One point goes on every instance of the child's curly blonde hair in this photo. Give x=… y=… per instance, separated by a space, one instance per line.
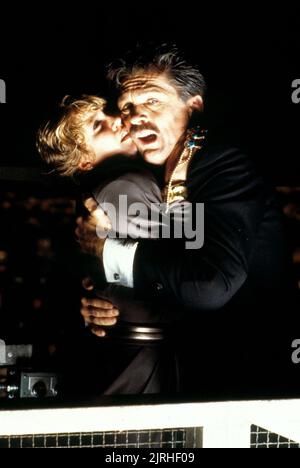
x=61 y=142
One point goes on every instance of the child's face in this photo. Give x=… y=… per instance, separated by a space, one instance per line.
x=106 y=137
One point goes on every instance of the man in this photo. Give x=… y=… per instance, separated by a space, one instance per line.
x=229 y=292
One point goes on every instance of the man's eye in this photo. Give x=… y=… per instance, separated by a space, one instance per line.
x=125 y=110
x=153 y=102
x=97 y=125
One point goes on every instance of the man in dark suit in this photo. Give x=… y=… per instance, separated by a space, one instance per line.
x=232 y=292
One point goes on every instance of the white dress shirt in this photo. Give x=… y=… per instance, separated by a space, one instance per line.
x=118 y=261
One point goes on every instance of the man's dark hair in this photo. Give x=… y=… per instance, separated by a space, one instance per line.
x=163 y=59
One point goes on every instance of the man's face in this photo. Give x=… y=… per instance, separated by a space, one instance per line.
x=106 y=137
x=154 y=114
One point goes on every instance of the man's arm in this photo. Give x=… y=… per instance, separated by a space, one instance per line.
x=207 y=278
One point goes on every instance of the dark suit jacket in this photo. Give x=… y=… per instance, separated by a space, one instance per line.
x=234 y=294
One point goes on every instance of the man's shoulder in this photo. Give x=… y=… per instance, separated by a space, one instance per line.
x=218 y=157
x=215 y=156
x=224 y=169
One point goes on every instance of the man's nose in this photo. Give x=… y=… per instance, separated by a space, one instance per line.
x=138 y=116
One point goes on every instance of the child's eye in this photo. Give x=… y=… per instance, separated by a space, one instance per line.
x=97 y=125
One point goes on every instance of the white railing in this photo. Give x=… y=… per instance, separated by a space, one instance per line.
x=225 y=425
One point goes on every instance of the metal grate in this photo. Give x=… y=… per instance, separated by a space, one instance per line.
x=262 y=438
x=165 y=438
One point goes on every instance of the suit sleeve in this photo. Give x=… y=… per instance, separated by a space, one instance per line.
x=207 y=278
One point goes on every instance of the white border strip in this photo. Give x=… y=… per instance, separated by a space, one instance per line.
x=225 y=424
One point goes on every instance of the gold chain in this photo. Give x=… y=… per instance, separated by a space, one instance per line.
x=180 y=162
x=185 y=158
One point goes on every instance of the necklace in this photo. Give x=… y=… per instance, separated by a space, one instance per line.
x=176 y=189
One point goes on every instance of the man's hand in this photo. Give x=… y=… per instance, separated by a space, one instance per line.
x=97 y=313
x=91 y=232
x=87 y=237
x=102 y=220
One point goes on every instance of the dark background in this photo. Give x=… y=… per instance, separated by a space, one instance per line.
x=249 y=57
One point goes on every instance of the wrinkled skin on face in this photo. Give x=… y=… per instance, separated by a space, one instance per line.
x=155 y=115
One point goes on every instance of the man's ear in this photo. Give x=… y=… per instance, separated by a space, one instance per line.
x=195 y=103
x=86 y=163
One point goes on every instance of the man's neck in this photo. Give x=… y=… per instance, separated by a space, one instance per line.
x=174 y=158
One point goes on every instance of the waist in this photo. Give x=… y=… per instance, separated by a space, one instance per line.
x=137 y=332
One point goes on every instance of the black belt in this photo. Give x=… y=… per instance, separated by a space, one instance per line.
x=136 y=332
